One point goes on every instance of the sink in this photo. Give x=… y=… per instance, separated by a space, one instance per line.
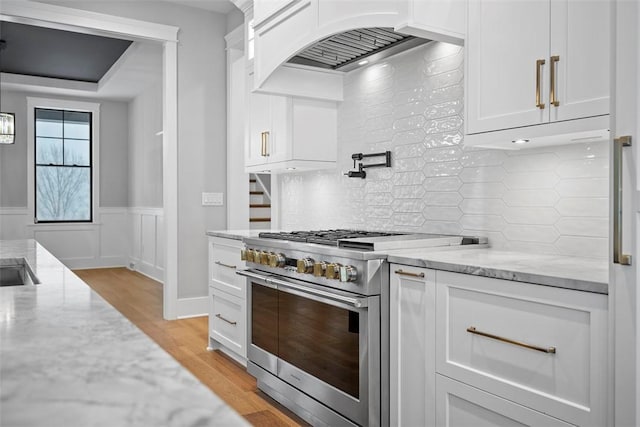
x=16 y=272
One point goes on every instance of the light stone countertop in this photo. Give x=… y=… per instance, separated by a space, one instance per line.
x=582 y=274
x=68 y=358
x=235 y=234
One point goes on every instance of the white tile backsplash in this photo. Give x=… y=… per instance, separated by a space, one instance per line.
x=547 y=200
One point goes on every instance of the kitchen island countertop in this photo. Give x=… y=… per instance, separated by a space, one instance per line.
x=581 y=274
x=67 y=357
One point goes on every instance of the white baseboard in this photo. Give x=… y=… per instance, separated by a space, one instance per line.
x=193 y=307
x=87 y=263
x=153 y=272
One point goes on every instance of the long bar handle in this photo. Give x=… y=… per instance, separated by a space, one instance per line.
x=226 y=265
x=219 y=316
x=407 y=273
x=552 y=64
x=618 y=145
x=539 y=64
x=473 y=330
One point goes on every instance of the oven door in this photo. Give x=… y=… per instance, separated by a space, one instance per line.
x=324 y=343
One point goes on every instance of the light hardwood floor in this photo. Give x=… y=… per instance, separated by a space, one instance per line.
x=140 y=299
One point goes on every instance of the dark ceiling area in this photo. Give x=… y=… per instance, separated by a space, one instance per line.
x=45 y=52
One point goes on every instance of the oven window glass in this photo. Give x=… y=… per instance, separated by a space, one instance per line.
x=320 y=339
x=264 y=318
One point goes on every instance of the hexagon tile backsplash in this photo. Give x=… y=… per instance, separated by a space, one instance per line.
x=546 y=200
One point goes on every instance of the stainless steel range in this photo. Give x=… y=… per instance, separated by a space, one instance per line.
x=319 y=320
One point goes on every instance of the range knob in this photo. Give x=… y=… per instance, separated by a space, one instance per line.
x=305 y=265
x=276 y=260
x=250 y=255
x=243 y=254
x=333 y=271
x=319 y=268
x=264 y=258
x=348 y=273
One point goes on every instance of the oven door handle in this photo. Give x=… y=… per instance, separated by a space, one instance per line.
x=264 y=280
x=311 y=293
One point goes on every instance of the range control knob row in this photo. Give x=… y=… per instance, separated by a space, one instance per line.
x=305 y=265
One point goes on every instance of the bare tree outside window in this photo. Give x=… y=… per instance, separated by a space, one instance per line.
x=63 y=166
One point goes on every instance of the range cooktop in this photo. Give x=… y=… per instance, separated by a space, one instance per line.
x=369 y=240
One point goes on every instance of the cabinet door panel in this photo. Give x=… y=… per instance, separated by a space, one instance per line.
x=259 y=122
x=278 y=141
x=504 y=41
x=412 y=356
x=580 y=38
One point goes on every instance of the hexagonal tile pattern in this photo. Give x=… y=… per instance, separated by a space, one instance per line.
x=547 y=200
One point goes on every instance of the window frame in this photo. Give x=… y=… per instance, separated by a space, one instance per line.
x=65 y=105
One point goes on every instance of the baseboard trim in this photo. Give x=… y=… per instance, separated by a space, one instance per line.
x=87 y=263
x=192 y=307
x=146 y=269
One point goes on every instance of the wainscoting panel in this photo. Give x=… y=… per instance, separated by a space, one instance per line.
x=147 y=242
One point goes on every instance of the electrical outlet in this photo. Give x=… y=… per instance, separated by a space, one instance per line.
x=212 y=199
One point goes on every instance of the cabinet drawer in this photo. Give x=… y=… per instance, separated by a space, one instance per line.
x=225 y=260
x=564 y=375
x=227 y=321
x=458 y=404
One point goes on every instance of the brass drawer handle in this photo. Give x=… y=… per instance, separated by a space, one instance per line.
x=226 y=265
x=219 y=316
x=618 y=145
x=264 y=139
x=539 y=64
x=407 y=273
x=552 y=64
x=473 y=330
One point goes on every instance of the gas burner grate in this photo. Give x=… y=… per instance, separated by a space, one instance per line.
x=325 y=237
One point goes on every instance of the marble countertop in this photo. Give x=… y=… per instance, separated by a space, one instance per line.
x=582 y=274
x=235 y=234
x=68 y=358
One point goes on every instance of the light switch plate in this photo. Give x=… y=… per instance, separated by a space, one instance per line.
x=212 y=199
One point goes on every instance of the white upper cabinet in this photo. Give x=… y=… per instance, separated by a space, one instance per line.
x=537 y=64
x=288 y=133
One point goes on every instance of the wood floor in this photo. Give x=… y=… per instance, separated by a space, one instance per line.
x=140 y=300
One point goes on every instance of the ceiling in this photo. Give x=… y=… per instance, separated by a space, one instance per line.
x=46 y=52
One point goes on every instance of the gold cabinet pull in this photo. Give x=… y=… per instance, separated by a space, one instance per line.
x=219 y=316
x=407 y=273
x=618 y=145
x=226 y=265
x=264 y=138
x=473 y=330
x=552 y=64
x=539 y=64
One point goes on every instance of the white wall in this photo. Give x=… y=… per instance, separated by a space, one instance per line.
x=201 y=125
x=548 y=200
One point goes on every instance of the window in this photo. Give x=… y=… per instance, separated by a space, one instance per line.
x=63 y=165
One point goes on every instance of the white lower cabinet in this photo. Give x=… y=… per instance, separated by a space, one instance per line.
x=494 y=352
x=227 y=299
x=460 y=405
x=412 y=356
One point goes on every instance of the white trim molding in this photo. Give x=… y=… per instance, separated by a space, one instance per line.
x=66 y=18
x=61 y=104
x=193 y=307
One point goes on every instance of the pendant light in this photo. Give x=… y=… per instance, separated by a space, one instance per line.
x=7 y=128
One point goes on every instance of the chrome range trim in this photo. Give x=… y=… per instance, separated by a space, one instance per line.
x=307 y=408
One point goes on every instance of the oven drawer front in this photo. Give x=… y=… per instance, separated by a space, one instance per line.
x=228 y=321
x=224 y=261
x=539 y=346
